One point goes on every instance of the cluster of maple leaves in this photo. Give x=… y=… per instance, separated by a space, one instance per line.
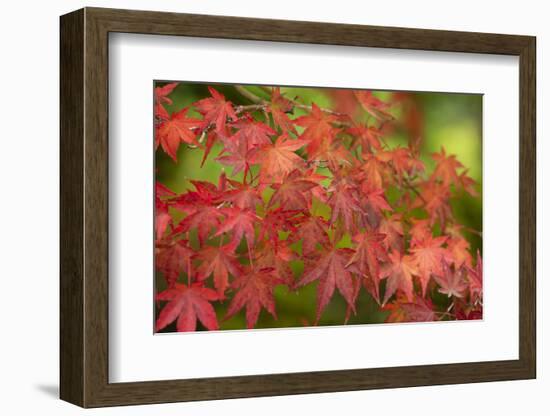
x=248 y=231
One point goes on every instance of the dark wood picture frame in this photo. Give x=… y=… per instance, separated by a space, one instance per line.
x=84 y=207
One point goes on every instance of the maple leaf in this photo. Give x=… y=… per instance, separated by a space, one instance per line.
x=452 y=280
x=278 y=257
x=241 y=223
x=459 y=248
x=467 y=184
x=343 y=100
x=435 y=200
x=201 y=209
x=445 y=169
x=369 y=137
x=244 y=196
x=238 y=155
x=344 y=204
x=419 y=310
x=219 y=262
x=375 y=170
x=312 y=231
x=178 y=128
x=162 y=217
x=252 y=133
x=187 y=305
x=420 y=230
x=211 y=139
x=161 y=93
x=278 y=159
x=399 y=272
x=161 y=97
x=373 y=202
x=162 y=190
x=293 y=193
x=215 y=111
x=392 y=227
x=318 y=128
x=372 y=105
x=172 y=259
x=429 y=255
x=205 y=194
x=278 y=220
x=278 y=107
x=367 y=257
x=402 y=161
x=330 y=270
x=475 y=278
x=203 y=220
x=255 y=291
x=331 y=153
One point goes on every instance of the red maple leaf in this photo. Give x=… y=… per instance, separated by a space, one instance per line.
x=375 y=170
x=187 y=305
x=435 y=200
x=276 y=221
x=172 y=259
x=278 y=107
x=420 y=230
x=393 y=228
x=403 y=162
x=203 y=220
x=278 y=159
x=244 y=196
x=255 y=291
x=178 y=128
x=219 y=262
x=312 y=231
x=237 y=154
x=201 y=209
x=367 y=257
x=293 y=193
x=475 y=277
x=451 y=280
x=205 y=194
x=252 y=133
x=161 y=97
x=467 y=184
x=330 y=270
x=344 y=204
x=215 y=111
x=318 y=129
x=278 y=257
x=162 y=218
x=372 y=105
x=459 y=249
x=368 y=137
x=373 y=202
x=399 y=272
x=161 y=93
x=419 y=310
x=445 y=169
x=429 y=255
x=240 y=222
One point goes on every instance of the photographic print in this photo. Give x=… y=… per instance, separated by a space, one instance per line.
x=284 y=206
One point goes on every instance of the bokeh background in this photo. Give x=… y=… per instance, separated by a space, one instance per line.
x=438 y=119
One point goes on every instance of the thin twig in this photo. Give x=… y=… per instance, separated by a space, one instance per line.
x=259 y=101
x=250 y=95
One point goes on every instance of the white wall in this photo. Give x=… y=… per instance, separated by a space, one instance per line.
x=29 y=209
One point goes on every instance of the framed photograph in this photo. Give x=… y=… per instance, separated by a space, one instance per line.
x=255 y=207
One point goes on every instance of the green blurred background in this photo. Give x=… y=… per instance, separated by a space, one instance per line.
x=448 y=119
